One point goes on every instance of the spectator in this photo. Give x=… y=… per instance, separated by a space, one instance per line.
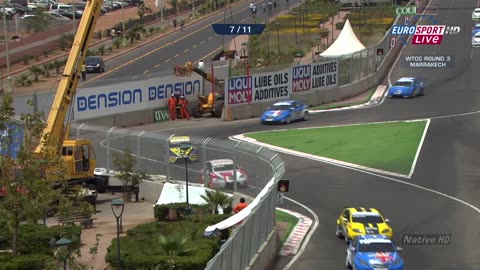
x=113 y=33
x=183 y=108
x=239 y=207
x=182 y=23
x=84 y=72
x=172 y=107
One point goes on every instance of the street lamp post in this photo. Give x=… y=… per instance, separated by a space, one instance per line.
x=278 y=37
x=184 y=148
x=117 y=208
x=5 y=33
x=64 y=243
x=124 y=40
x=193 y=9
x=267 y=33
x=296 y=35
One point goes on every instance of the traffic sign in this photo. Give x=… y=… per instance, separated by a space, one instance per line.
x=393 y=42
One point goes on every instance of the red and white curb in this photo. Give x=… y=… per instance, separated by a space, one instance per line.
x=294 y=240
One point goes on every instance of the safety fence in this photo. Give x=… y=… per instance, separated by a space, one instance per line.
x=262 y=167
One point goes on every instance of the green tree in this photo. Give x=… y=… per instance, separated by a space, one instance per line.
x=26 y=193
x=23 y=80
x=124 y=162
x=57 y=65
x=36 y=72
x=39 y=22
x=216 y=199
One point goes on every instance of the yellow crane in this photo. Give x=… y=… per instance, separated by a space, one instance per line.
x=77 y=154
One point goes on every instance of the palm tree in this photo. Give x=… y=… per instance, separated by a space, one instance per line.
x=36 y=72
x=174 y=245
x=46 y=69
x=57 y=65
x=216 y=199
x=23 y=80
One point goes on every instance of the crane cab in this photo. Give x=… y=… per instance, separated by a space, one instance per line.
x=79 y=159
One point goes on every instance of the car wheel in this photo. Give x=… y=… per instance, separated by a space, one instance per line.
x=421 y=93
x=305 y=116
x=347 y=263
x=338 y=233
x=347 y=240
x=288 y=120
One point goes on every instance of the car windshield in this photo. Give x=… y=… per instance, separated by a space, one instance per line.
x=376 y=247
x=367 y=219
x=180 y=144
x=403 y=83
x=279 y=107
x=92 y=60
x=223 y=167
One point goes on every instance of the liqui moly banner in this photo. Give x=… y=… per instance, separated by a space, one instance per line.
x=316 y=76
x=258 y=87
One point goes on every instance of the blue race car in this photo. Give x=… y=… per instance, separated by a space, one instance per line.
x=285 y=112
x=373 y=252
x=407 y=87
x=475 y=29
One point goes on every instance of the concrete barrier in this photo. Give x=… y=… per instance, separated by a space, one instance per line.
x=267 y=255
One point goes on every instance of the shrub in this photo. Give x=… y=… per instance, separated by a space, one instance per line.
x=141 y=247
x=35 y=238
x=24 y=262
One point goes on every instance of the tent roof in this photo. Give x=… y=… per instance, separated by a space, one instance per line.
x=346 y=43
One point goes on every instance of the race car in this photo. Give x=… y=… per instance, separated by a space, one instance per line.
x=475 y=29
x=219 y=173
x=373 y=252
x=407 y=87
x=355 y=221
x=285 y=112
x=476 y=14
x=476 y=40
x=179 y=148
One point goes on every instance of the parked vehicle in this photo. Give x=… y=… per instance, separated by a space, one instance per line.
x=94 y=64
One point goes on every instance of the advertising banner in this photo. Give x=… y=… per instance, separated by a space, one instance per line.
x=258 y=87
x=11 y=139
x=134 y=95
x=316 y=76
x=161 y=114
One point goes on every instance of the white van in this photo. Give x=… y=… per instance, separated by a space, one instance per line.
x=60 y=6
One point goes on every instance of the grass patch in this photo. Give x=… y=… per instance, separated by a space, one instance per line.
x=281 y=216
x=386 y=146
x=341 y=105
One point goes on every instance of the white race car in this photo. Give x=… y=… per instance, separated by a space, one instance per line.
x=476 y=40
x=476 y=14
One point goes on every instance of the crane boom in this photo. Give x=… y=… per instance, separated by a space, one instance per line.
x=71 y=75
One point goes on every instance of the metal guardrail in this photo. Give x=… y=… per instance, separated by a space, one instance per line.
x=262 y=166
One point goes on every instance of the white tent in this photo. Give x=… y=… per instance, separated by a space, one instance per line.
x=346 y=43
x=176 y=193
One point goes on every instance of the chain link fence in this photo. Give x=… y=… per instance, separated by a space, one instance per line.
x=263 y=169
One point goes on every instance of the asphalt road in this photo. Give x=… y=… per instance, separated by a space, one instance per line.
x=446 y=165
x=197 y=41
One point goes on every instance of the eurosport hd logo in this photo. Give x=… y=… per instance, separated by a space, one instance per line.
x=422 y=34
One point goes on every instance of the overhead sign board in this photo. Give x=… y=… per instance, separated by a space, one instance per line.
x=406 y=10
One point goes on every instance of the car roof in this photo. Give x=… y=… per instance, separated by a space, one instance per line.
x=373 y=238
x=477 y=25
x=408 y=79
x=225 y=161
x=285 y=102
x=363 y=211
x=477 y=10
x=180 y=139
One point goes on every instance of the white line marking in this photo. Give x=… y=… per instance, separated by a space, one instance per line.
x=307 y=238
x=419 y=148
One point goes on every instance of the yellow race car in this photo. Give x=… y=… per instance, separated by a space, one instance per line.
x=355 y=221
x=180 y=148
